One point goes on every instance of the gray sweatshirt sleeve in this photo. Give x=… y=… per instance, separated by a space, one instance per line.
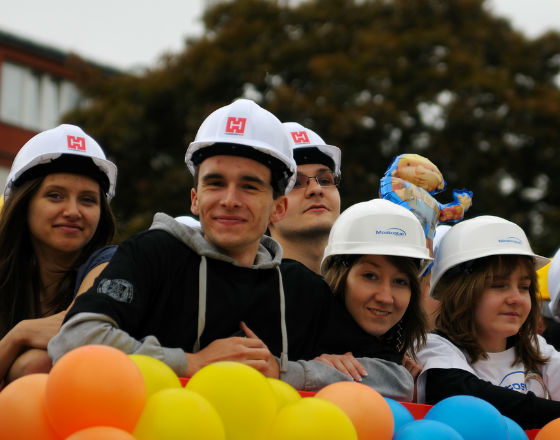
x=388 y=378
x=96 y=328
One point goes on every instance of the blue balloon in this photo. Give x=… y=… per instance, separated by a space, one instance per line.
x=427 y=430
x=473 y=418
x=401 y=415
x=515 y=431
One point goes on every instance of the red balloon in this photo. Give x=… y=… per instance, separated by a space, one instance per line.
x=94 y=385
x=369 y=411
x=22 y=410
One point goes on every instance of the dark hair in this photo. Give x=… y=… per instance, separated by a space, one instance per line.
x=460 y=290
x=20 y=284
x=414 y=322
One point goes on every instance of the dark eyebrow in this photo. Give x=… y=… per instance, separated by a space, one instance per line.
x=254 y=179
x=245 y=178
x=212 y=176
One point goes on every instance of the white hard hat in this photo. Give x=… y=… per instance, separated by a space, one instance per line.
x=246 y=124
x=188 y=220
x=378 y=227
x=304 y=138
x=441 y=230
x=480 y=237
x=65 y=141
x=554 y=286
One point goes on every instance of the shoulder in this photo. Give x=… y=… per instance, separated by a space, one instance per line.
x=441 y=352
x=300 y=277
x=292 y=268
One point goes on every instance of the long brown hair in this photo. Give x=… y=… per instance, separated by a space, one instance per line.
x=412 y=332
x=19 y=273
x=460 y=290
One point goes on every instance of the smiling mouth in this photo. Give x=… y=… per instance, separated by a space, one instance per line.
x=377 y=312
x=316 y=208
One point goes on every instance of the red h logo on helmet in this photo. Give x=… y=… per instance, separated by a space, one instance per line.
x=76 y=143
x=300 y=137
x=235 y=125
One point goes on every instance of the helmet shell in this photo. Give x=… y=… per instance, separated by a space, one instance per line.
x=479 y=237
x=302 y=137
x=51 y=144
x=244 y=122
x=378 y=227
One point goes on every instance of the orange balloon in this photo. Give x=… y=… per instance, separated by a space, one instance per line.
x=94 y=385
x=101 y=433
x=22 y=410
x=368 y=410
x=550 y=431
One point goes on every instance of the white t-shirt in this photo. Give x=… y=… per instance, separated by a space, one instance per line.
x=497 y=369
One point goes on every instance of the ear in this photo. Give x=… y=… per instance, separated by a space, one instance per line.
x=194 y=202
x=279 y=208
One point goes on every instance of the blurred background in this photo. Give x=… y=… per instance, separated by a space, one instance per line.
x=471 y=84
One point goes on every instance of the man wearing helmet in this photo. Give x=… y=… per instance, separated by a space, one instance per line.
x=314 y=202
x=181 y=294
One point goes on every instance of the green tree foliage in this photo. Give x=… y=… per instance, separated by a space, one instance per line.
x=444 y=79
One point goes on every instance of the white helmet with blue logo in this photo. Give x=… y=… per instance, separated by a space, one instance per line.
x=480 y=237
x=378 y=227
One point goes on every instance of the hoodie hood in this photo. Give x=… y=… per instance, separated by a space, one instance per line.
x=269 y=256
x=269 y=253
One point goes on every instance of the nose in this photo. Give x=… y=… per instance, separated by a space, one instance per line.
x=230 y=197
x=72 y=209
x=313 y=188
x=514 y=295
x=383 y=293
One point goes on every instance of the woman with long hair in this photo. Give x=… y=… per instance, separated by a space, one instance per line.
x=56 y=214
x=375 y=254
x=486 y=342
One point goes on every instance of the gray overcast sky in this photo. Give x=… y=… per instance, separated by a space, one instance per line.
x=134 y=33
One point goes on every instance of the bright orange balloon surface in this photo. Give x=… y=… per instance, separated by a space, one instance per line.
x=101 y=433
x=241 y=395
x=368 y=410
x=22 y=410
x=311 y=418
x=157 y=375
x=177 y=413
x=550 y=431
x=94 y=385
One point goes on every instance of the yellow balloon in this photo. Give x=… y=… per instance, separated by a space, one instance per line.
x=542 y=275
x=157 y=375
x=312 y=418
x=240 y=394
x=283 y=392
x=177 y=413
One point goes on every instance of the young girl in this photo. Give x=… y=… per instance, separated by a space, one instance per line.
x=56 y=214
x=486 y=343
x=375 y=253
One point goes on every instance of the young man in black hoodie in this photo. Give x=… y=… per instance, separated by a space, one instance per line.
x=189 y=296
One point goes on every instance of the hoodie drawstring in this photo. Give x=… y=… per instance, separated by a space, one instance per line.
x=284 y=354
x=201 y=302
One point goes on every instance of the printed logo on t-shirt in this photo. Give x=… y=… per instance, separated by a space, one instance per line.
x=514 y=381
x=119 y=290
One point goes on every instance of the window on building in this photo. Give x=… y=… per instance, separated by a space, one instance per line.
x=32 y=99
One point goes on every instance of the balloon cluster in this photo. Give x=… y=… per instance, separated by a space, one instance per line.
x=98 y=392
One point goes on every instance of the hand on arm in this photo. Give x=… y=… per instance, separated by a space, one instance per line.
x=29 y=333
x=345 y=363
x=248 y=350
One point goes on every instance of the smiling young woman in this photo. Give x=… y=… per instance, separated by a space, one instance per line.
x=486 y=342
x=56 y=214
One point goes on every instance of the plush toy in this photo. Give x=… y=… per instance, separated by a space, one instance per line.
x=411 y=180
